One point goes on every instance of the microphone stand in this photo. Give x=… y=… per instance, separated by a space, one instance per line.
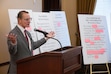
x=59 y=43
x=45 y=33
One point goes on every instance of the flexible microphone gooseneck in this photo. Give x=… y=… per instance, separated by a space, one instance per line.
x=59 y=43
x=45 y=34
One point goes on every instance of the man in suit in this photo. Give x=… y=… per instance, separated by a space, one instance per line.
x=20 y=44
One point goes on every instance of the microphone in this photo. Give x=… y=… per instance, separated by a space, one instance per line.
x=45 y=33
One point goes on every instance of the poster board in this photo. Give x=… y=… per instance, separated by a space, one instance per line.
x=94 y=39
x=61 y=27
x=44 y=21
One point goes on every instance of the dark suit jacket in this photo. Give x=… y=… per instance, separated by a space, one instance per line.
x=21 y=50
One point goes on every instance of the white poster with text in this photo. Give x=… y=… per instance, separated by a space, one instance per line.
x=94 y=39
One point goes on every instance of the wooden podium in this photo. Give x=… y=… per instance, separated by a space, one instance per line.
x=61 y=61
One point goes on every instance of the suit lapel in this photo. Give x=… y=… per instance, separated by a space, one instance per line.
x=22 y=37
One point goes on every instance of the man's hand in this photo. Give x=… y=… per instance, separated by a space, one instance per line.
x=50 y=35
x=12 y=37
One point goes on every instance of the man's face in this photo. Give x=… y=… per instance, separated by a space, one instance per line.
x=25 y=20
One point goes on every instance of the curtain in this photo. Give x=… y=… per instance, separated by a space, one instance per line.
x=84 y=7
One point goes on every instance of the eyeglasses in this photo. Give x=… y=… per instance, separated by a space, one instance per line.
x=28 y=19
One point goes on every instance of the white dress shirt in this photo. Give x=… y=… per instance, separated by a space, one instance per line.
x=22 y=30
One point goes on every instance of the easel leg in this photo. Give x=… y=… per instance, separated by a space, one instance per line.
x=93 y=72
x=107 y=68
x=90 y=68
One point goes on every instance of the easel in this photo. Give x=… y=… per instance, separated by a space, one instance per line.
x=99 y=72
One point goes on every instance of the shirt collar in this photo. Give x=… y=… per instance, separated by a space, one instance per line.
x=21 y=28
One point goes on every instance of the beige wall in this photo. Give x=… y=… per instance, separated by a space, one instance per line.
x=69 y=6
x=5 y=24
